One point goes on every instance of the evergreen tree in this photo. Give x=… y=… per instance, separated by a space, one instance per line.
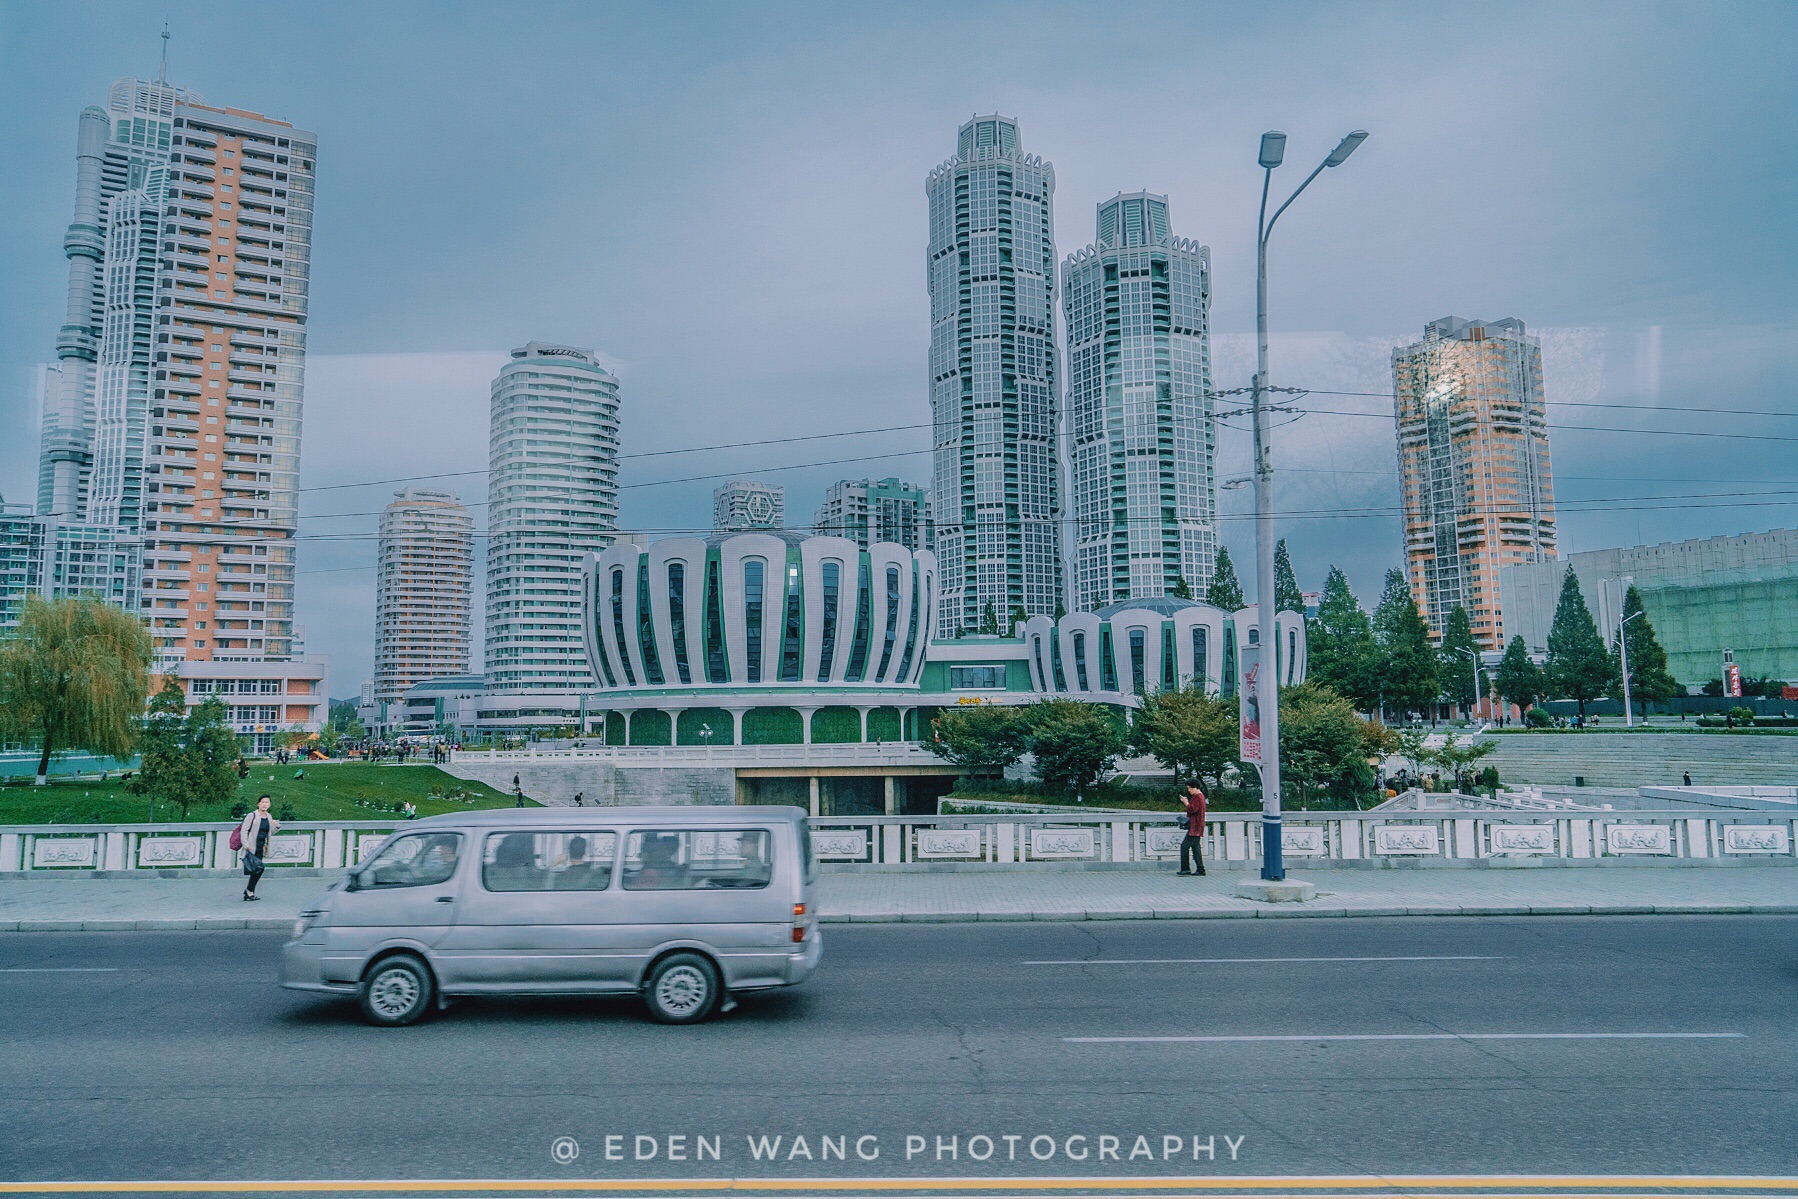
x=1343 y=655
x=1579 y=666
x=1287 y=596
x=1409 y=672
x=1519 y=679
x=1182 y=589
x=1225 y=592
x=1457 y=666
x=1649 y=678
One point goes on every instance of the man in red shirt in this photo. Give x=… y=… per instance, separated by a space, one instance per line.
x=1192 y=844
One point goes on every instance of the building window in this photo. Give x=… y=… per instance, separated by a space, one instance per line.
x=858 y=648
x=1080 y=661
x=646 y=629
x=792 y=645
x=1199 y=638
x=599 y=642
x=1061 y=678
x=1036 y=649
x=984 y=678
x=624 y=654
x=1137 y=681
x=752 y=615
x=892 y=629
x=677 y=618
x=832 y=572
x=1108 y=669
x=911 y=629
x=717 y=666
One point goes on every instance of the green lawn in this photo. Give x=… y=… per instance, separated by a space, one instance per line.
x=329 y=791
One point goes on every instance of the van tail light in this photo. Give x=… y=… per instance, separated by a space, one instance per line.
x=801 y=923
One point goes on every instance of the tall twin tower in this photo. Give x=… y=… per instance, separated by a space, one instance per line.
x=1128 y=428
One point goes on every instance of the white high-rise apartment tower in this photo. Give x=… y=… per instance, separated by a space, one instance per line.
x=552 y=499
x=175 y=415
x=991 y=277
x=424 y=591
x=1141 y=442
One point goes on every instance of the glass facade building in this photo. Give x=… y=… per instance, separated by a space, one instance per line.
x=993 y=379
x=1702 y=596
x=1140 y=438
x=1473 y=466
x=552 y=500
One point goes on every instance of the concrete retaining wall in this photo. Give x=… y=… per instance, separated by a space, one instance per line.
x=603 y=784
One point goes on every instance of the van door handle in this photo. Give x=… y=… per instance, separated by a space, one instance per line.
x=446 y=899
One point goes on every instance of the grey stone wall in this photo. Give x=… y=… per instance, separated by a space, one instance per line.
x=603 y=784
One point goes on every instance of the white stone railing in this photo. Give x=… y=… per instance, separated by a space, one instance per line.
x=43 y=848
x=1310 y=838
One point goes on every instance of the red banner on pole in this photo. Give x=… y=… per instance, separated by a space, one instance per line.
x=1248 y=702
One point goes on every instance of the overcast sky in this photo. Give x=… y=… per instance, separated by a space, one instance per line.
x=728 y=202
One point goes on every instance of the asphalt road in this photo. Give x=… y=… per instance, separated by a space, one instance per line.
x=173 y=1055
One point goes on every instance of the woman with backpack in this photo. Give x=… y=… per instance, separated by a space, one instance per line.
x=252 y=837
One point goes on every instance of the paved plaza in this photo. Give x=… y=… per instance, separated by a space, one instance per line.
x=72 y=904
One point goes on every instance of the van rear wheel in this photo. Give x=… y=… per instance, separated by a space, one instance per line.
x=396 y=991
x=684 y=988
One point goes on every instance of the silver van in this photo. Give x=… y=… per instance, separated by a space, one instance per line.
x=685 y=906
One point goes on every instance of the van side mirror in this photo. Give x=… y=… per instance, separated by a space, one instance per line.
x=351 y=883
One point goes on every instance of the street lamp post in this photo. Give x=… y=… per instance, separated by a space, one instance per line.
x=1629 y=716
x=1273 y=152
x=1474 y=654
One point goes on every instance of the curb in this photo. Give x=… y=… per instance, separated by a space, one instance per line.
x=1281 y=911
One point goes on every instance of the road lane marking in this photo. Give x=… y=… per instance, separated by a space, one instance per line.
x=1411 y=1186
x=59 y=969
x=1421 y=1036
x=1458 y=957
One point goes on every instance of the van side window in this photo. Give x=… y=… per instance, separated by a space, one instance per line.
x=694 y=860
x=414 y=860
x=548 y=861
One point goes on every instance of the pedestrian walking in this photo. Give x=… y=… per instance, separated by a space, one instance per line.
x=518 y=792
x=1688 y=778
x=1192 y=844
x=580 y=799
x=257 y=827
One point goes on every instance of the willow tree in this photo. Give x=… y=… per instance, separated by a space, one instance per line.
x=73 y=676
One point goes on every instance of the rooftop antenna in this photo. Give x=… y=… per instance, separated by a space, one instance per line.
x=162 y=76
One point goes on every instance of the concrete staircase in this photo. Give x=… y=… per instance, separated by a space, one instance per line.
x=1645 y=759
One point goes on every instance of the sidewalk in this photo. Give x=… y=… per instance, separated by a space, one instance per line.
x=66 y=905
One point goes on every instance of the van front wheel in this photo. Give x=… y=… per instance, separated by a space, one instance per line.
x=682 y=989
x=397 y=991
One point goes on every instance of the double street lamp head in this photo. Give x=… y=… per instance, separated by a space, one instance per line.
x=1273 y=148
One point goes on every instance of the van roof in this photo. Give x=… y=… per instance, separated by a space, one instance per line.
x=559 y=817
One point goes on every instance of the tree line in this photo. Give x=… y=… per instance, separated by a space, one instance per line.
x=1386 y=664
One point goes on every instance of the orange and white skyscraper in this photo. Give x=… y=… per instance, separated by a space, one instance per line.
x=1473 y=466
x=175 y=417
